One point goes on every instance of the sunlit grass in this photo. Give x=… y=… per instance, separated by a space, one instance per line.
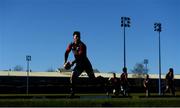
x=135 y=100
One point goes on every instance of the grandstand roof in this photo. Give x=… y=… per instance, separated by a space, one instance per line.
x=67 y=74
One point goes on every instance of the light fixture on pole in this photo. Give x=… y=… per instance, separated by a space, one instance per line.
x=125 y=22
x=157 y=27
x=146 y=62
x=28 y=58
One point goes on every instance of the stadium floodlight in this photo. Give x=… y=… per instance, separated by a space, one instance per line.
x=125 y=22
x=157 y=27
x=146 y=62
x=28 y=58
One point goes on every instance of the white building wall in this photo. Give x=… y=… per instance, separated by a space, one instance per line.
x=67 y=74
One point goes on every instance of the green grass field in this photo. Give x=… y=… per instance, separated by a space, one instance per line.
x=40 y=100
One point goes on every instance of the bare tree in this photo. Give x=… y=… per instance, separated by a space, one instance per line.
x=51 y=70
x=96 y=71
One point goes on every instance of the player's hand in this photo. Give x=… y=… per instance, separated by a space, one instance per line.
x=64 y=64
x=67 y=65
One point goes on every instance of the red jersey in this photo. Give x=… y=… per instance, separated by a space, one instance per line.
x=79 y=51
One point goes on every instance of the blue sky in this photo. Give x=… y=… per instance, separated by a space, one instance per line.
x=43 y=29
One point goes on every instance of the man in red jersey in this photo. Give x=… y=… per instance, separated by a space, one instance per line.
x=81 y=60
x=124 y=82
x=146 y=84
x=170 y=85
x=115 y=84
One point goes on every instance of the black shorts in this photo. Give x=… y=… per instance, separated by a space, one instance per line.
x=83 y=66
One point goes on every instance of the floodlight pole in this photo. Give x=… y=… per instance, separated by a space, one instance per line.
x=157 y=27
x=159 y=64
x=28 y=58
x=124 y=48
x=125 y=22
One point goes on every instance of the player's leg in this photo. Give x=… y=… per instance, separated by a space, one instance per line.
x=89 y=70
x=74 y=75
x=172 y=89
x=147 y=92
x=167 y=88
x=108 y=87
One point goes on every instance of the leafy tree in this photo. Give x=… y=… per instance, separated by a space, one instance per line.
x=18 y=68
x=139 y=70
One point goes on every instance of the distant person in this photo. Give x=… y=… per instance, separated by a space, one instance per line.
x=170 y=86
x=81 y=60
x=146 y=84
x=124 y=82
x=115 y=84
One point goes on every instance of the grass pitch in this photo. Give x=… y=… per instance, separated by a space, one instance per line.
x=42 y=100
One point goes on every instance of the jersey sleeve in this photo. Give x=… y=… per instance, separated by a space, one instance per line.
x=67 y=52
x=68 y=49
